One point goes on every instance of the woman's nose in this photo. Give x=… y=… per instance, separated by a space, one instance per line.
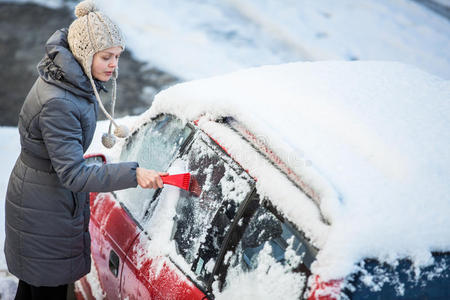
x=113 y=63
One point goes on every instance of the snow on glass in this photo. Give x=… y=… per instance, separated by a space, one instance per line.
x=267 y=255
x=153 y=145
x=269 y=279
x=222 y=187
x=182 y=224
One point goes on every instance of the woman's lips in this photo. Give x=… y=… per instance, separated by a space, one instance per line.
x=108 y=73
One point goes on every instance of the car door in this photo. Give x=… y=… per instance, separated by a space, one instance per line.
x=203 y=218
x=154 y=146
x=112 y=233
x=182 y=237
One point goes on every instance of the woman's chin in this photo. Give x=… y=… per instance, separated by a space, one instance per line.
x=103 y=78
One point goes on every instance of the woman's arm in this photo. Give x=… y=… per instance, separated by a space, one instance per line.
x=61 y=130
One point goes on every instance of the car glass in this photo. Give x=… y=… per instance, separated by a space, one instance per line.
x=272 y=250
x=203 y=217
x=153 y=146
x=403 y=280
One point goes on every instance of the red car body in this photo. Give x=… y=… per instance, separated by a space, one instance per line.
x=114 y=248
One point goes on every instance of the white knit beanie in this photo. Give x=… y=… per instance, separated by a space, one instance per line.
x=90 y=33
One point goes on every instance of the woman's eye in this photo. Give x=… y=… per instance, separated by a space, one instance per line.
x=105 y=57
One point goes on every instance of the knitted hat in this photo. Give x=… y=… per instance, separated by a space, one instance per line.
x=90 y=33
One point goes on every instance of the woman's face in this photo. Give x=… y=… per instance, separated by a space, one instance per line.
x=105 y=62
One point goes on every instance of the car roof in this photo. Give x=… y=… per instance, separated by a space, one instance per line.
x=371 y=138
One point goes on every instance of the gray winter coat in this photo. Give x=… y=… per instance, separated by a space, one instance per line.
x=47 y=206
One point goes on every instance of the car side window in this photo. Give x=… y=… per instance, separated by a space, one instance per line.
x=153 y=146
x=271 y=249
x=204 y=215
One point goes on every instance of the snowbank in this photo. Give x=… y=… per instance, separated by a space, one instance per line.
x=196 y=39
x=376 y=133
x=9 y=150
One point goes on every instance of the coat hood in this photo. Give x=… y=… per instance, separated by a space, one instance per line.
x=59 y=67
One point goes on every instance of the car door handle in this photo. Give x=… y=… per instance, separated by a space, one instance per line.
x=114 y=263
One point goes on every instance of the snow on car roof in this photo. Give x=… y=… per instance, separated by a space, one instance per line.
x=376 y=132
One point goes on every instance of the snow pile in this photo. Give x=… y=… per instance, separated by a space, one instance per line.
x=194 y=39
x=8 y=287
x=94 y=283
x=215 y=37
x=377 y=132
x=9 y=149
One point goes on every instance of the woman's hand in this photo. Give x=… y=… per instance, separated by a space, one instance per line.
x=149 y=179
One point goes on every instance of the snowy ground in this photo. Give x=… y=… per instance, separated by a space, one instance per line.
x=194 y=39
x=219 y=36
x=9 y=149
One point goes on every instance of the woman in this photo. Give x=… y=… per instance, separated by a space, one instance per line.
x=47 y=243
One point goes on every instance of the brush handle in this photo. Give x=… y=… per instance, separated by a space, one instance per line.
x=169 y=179
x=179 y=180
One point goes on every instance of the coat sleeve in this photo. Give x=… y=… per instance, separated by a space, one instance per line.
x=61 y=130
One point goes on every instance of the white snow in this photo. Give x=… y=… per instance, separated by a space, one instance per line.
x=94 y=282
x=377 y=132
x=49 y=3
x=217 y=36
x=195 y=39
x=265 y=282
x=9 y=151
x=269 y=181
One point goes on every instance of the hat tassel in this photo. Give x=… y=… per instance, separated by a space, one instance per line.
x=121 y=131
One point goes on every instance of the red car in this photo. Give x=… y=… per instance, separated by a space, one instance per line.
x=227 y=237
x=222 y=213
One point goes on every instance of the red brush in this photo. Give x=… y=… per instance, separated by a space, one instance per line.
x=179 y=180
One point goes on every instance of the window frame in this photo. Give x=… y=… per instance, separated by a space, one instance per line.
x=206 y=287
x=177 y=154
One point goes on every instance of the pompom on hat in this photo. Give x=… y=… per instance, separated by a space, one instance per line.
x=90 y=33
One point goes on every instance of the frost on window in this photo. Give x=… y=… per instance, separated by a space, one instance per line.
x=401 y=280
x=271 y=256
x=153 y=146
x=203 y=218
